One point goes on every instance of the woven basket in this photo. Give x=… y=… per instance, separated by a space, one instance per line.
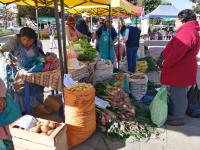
x=37 y=78
x=79 y=73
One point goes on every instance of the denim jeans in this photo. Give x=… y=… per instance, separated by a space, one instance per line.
x=178 y=103
x=131 y=58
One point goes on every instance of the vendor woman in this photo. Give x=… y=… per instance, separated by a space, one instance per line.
x=103 y=36
x=72 y=33
x=23 y=49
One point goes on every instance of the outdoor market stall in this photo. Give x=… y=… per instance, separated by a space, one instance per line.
x=117 y=116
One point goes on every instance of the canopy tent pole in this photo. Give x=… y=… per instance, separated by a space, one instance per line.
x=65 y=69
x=118 y=37
x=37 y=19
x=109 y=42
x=59 y=40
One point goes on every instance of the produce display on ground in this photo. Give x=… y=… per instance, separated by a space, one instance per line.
x=118 y=119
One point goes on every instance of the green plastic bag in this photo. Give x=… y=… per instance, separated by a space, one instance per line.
x=159 y=107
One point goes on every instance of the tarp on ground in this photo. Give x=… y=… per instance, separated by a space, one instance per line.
x=163 y=11
x=118 y=7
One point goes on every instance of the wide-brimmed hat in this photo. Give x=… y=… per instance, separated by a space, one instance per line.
x=70 y=20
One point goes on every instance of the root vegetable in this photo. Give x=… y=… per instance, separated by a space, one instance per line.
x=46 y=123
x=49 y=132
x=52 y=125
x=103 y=120
x=45 y=128
x=36 y=129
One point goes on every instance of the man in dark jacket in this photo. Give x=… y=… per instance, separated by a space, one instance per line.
x=82 y=25
x=132 y=39
x=179 y=68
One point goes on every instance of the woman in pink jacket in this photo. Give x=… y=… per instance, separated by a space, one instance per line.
x=179 y=68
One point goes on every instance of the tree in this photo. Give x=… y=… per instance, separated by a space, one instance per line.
x=196 y=8
x=30 y=12
x=150 y=5
x=6 y=15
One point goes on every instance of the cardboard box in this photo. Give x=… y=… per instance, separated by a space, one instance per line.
x=26 y=140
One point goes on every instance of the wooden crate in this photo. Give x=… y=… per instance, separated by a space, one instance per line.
x=26 y=140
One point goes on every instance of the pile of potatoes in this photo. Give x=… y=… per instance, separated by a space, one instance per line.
x=45 y=127
x=80 y=87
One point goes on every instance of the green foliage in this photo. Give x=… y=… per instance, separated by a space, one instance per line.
x=196 y=8
x=30 y=12
x=150 y=5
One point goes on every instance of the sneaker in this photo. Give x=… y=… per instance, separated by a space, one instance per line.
x=175 y=123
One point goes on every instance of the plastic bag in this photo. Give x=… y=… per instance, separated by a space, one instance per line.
x=159 y=107
x=194 y=102
x=11 y=112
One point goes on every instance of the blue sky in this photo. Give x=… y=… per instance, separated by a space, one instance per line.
x=181 y=4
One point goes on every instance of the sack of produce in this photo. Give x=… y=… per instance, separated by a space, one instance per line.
x=138 y=85
x=104 y=70
x=159 y=107
x=123 y=65
x=120 y=80
x=141 y=66
x=80 y=112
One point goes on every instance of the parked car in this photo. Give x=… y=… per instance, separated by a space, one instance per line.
x=14 y=28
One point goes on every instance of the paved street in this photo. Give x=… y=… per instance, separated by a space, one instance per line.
x=171 y=138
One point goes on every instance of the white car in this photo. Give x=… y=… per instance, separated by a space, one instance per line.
x=14 y=28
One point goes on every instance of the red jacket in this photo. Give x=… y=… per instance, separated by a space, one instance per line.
x=180 y=64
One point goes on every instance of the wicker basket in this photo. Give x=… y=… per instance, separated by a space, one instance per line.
x=77 y=74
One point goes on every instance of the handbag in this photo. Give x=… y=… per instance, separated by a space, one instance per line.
x=193 y=96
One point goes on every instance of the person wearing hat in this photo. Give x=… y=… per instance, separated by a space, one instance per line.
x=132 y=39
x=102 y=35
x=23 y=49
x=72 y=33
x=82 y=25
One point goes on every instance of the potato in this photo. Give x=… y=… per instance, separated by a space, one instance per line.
x=36 y=129
x=45 y=128
x=46 y=122
x=49 y=132
x=52 y=125
x=38 y=123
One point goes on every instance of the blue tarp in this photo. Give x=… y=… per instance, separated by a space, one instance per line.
x=163 y=11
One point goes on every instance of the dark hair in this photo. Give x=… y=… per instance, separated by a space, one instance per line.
x=29 y=32
x=186 y=15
